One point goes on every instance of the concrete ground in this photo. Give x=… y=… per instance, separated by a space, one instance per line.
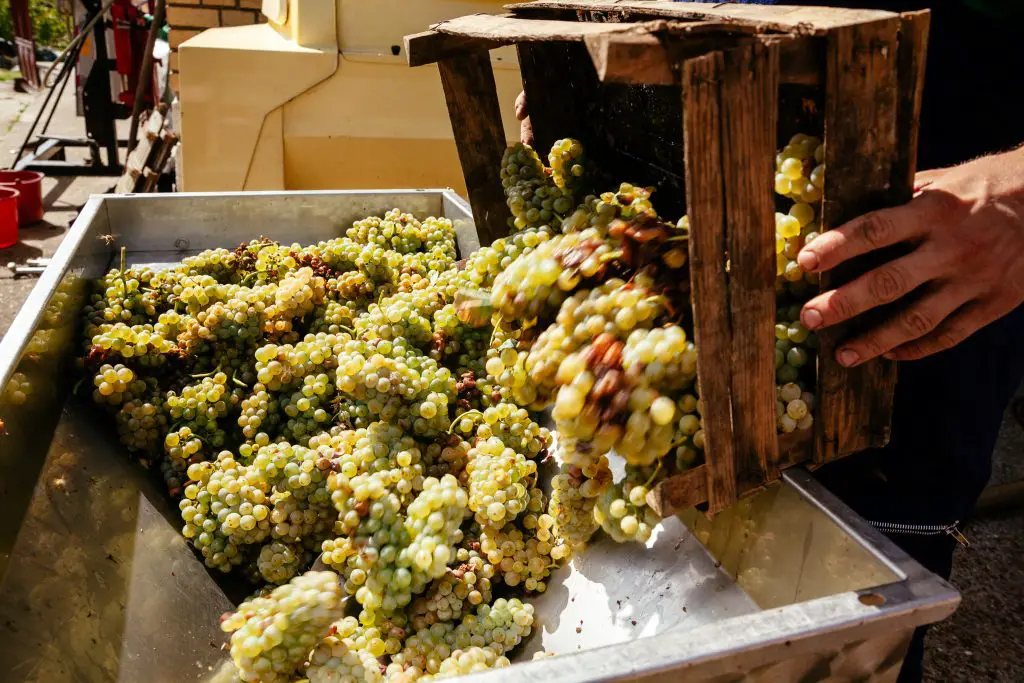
x=62 y=197
x=983 y=641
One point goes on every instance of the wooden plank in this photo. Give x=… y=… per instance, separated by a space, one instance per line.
x=506 y=29
x=705 y=199
x=679 y=492
x=473 y=108
x=861 y=103
x=795 y=448
x=910 y=67
x=813 y=20
x=749 y=103
x=653 y=59
x=690 y=488
x=431 y=46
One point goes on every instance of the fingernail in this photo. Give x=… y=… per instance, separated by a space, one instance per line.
x=811 y=319
x=807 y=259
x=848 y=357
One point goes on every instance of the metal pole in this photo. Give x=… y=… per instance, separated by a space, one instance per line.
x=144 y=75
x=105 y=116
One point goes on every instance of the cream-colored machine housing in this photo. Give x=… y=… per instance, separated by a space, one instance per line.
x=320 y=97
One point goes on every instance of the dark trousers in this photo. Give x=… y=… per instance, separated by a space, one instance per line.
x=946 y=417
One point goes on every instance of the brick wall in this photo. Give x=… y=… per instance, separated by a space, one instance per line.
x=190 y=17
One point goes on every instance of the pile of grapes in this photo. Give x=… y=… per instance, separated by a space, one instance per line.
x=375 y=402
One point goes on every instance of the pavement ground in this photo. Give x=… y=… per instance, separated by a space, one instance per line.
x=983 y=641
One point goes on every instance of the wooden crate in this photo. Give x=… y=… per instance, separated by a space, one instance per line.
x=687 y=98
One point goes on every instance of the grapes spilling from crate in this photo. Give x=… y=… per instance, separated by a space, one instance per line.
x=372 y=401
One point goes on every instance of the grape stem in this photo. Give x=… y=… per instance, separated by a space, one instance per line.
x=124 y=280
x=471 y=414
x=207 y=374
x=654 y=474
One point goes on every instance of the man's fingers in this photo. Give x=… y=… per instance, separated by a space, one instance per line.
x=869 y=232
x=913 y=323
x=879 y=286
x=925 y=178
x=526 y=131
x=521 y=112
x=957 y=327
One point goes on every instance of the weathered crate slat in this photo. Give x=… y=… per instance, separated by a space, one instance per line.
x=652 y=60
x=706 y=207
x=686 y=97
x=811 y=20
x=855 y=404
x=750 y=93
x=649 y=52
x=472 y=98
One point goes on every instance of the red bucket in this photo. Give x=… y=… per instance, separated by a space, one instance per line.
x=30 y=185
x=8 y=217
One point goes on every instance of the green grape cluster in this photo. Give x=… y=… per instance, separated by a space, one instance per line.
x=18 y=389
x=395 y=382
x=601 y=400
x=532 y=195
x=573 y=496
x=524 y=557
x=484 y=265
x=219 y=264
x=141 y=422
x=535 y=284
x=794 y=408
x=451 y=596
x=622 y=509
x=397 y=231
x=498 y=480
x=568 y=164
x=308 y=408
x=296 y=295
x=272 y=636
x=278 y=562
x=800 y=169
x=471 y=660
x=334 y=660
x=800 y=177
x=140 y=345
x=334 y=317
x=373 y=401
x=116 y=383
x=404 y=315
x=689 y=436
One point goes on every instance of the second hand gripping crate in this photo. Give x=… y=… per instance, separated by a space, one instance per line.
x=692 y=99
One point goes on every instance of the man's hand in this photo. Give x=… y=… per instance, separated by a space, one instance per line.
x=965 y=270
x=523 y=115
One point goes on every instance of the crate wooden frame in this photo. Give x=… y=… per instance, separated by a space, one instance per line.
x=724 y=65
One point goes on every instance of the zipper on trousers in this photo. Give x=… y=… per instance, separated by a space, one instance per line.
x=923 y=530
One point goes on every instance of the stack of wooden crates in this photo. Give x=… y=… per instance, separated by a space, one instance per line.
x=692 y=99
